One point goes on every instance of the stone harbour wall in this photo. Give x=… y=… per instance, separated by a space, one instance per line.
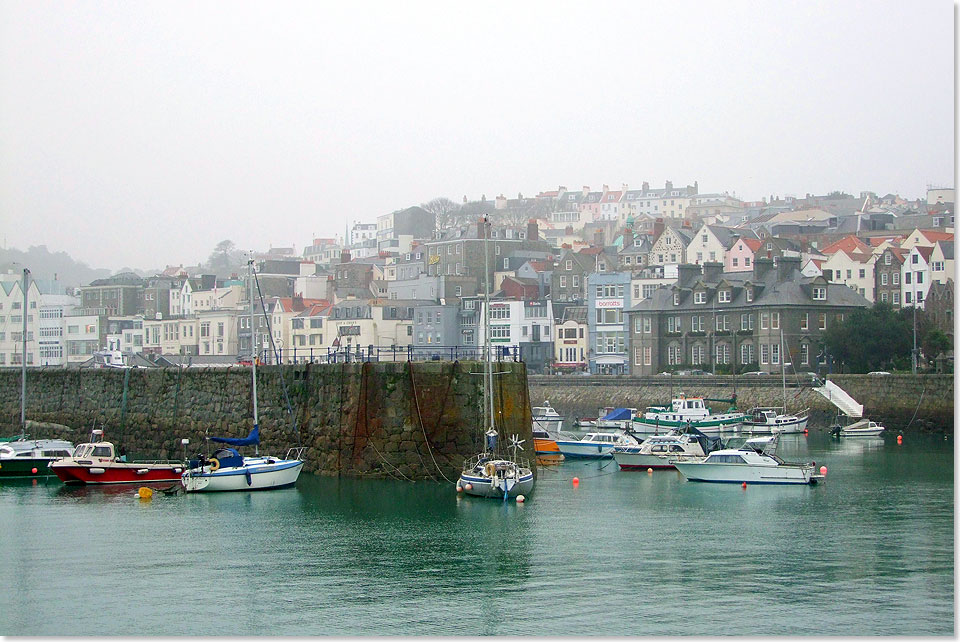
x=409 y=421
x=922 y=402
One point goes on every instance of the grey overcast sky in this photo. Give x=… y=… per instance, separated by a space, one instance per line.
x=142 y=133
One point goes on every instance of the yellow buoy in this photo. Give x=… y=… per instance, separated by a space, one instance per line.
x=144 y=493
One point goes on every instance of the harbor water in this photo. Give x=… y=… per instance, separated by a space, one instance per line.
x=870 y=551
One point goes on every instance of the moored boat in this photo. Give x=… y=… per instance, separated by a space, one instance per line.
x=96 y=462
x=595 y=445
x=23 y=457
x=755 y=462
x=687 y=411
x=768 y=420
x=660 y=451
x=862 y=428
x=227 y=470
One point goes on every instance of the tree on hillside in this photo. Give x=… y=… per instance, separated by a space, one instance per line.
x=935 y=342
x=445 y=211
x=870 y=339
x=225 y=257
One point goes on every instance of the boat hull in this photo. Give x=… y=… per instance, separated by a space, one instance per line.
x=786 y=428
x=482 y=486
x=637 y=461
x=589 y=450
x=713 y=426
x=739 y=473
x=542 y=446
x=117 y=473
x=280 y=474
x=23 y=467
x=865 y=432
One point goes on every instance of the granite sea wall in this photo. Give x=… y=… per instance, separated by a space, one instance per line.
x=409 y=421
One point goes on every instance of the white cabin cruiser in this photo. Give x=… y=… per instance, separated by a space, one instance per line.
x=862 y=428
x=659 y=451
x=752 y=463
x=547 y=419
x=595 y=445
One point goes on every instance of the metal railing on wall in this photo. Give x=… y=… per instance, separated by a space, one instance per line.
x=390 y=353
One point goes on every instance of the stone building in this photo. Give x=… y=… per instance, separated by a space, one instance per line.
x=569 y=282
x=887 y=276
x=744 y=320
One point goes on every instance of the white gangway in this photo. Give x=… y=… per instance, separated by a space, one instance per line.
x=839 y=398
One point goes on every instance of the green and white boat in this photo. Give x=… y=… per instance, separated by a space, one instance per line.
x=687 y=411
x=26 y=458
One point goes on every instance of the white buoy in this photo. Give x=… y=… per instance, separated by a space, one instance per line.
x=469 y=486
x=521 y=499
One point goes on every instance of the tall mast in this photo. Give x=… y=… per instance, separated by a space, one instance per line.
x=253 y=346
x=783 y=369
x=23 y=365
x=488 y=388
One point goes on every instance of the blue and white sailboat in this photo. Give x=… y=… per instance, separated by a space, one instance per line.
x=227 y=469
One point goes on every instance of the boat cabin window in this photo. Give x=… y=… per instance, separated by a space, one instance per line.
x=56 y=453
x=25 y=454
x=676 y=449
x=6 y=451
x=103 y=451
x=658 y=449
x=724 y=459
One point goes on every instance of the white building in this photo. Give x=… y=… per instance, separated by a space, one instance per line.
x=11 y=321
x=361 y=232
x=853 y=269
x=51 y=346
x=513 y=322
x=915 y=276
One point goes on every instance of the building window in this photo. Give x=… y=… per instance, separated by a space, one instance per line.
x=699 y=297
x=896 y=298
x=724 y=296
x=883 y=278
x=676 y=298
x=896 y=278
x=775 y=353
x=819 y=293
x=822 y=321
x=804 y=320
x=673 y=355
x=647 y=325
x=774 y=320
x=746 y=353
x=647 y=355
x=804 y=354
x=886 y=259
x=764 y=321
x=696 y=324
x=696 y=355
x=764 y=353
x=723 y=353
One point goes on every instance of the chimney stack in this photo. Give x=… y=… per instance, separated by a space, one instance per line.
x=712 y=271
x=345 y=255
x=533 y=230
x=586 y=190
x=686 y=273
x=761 y=266
x=786 y=265
x=669 y=186
x=657 y=228
x=598 y=237
x=646 y=186
x=627 y=238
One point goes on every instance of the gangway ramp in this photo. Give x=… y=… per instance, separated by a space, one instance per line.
x=839 y=398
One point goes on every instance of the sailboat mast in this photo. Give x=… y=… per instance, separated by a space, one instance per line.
x=253 y=347
x=783 y=369
x=488 y=388
x=23 y=365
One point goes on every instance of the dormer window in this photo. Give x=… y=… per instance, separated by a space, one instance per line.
x=749 y=295
x=819 y=293
x=676 y=298
x=699 y=297
x=724 y=296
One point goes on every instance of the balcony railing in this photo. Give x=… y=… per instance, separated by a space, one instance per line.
x=390 y=353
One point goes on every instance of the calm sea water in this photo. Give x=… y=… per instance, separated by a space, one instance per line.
x=871 y=551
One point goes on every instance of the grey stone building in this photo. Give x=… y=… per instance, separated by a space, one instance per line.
x=569 y=281
x=737 y=321
x=887 y=276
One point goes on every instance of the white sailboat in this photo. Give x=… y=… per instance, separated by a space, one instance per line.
x=763 y=419
x=493 y=473
x=226 y=469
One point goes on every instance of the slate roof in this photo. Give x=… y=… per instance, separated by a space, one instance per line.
x=768 y=291
x=947 y=248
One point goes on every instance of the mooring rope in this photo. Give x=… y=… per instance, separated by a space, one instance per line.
x=918 y=407
x=416 y=401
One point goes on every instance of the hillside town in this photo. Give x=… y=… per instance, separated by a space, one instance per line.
x=611 y=281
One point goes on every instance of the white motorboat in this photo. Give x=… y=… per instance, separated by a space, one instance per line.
x=659 y=451
x=227 y=470
x=31 y=457
x=494 y=473
x=547 y=419
x=595 y=445
x=768 y=420
x=753 y=463
x=862 y=428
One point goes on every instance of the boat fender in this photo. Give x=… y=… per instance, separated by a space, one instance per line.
x=214 y=464
x=249 y=479
x=490 y=469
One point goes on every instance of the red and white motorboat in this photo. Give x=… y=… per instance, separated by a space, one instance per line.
x=96 y=462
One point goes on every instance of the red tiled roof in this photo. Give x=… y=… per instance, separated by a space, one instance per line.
x=848 y=244
x=753 y=244
x=925 y=252
x=936 y=235
x=590 y=250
